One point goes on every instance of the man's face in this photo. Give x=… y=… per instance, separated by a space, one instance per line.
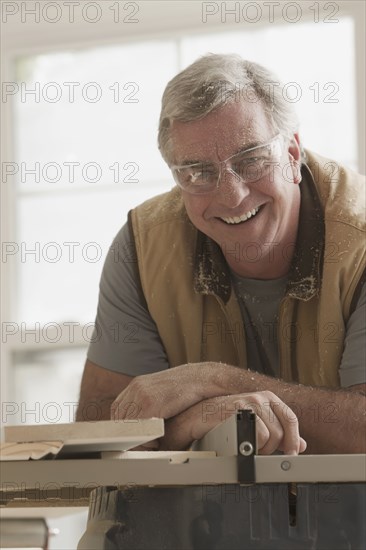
x=274 y=198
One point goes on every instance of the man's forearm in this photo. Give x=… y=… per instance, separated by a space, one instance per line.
x=99 y=388
x=94 y=410
x=331 y=421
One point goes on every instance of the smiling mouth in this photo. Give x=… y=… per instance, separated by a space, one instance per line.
x=240 y=219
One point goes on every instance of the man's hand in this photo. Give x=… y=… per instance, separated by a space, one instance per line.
x=167 y=393
x=277 y=425
x=331 y=421
x=189 y=398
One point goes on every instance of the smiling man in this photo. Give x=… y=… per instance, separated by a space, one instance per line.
x=247 y=288
x=257 y=204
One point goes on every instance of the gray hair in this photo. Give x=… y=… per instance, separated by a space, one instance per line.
x=214 y=80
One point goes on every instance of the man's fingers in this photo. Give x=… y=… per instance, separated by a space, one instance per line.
x=281 y=423
x=275 y=436
x=303 y=445
x=283 y=426
x=125 y=410
x=291 y=440
x=263 y=434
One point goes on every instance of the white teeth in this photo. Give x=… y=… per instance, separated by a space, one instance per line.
x=242 y=218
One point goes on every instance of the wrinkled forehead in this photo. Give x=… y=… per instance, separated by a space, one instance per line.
x=220 y=134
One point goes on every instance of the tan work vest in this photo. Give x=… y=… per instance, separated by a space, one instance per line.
x=187 y=287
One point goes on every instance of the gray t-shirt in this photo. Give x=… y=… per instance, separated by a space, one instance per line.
x=259 y=304
x=126 y=338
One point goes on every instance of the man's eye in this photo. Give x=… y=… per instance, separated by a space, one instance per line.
x=201 y=175
x=243 y=163
x=253 y=158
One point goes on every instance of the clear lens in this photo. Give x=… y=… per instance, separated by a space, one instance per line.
x=250 y=166
x=197 y=178
x=253 y=165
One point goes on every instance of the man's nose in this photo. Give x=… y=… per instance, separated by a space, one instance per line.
x=232 y=188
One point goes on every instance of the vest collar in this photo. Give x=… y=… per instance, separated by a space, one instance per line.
x=305 y=271
x=212 y=274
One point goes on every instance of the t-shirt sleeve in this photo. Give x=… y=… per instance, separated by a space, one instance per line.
x=353 y=365
x=125 y=337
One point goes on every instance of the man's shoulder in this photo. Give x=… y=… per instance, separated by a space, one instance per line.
x=341 y=190
x=161 y=208
x=162 y=222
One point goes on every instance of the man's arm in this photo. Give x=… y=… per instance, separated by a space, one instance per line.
x=277 y=427
x=99 y=388
x=331 y=421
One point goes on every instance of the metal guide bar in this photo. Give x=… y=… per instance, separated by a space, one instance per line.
x=42 y=476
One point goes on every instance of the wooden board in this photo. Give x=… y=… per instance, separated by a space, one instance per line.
x=105 y=435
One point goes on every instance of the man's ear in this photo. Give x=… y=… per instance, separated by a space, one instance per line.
x=294 y=153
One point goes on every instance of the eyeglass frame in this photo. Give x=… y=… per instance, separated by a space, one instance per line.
x=219 y=164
